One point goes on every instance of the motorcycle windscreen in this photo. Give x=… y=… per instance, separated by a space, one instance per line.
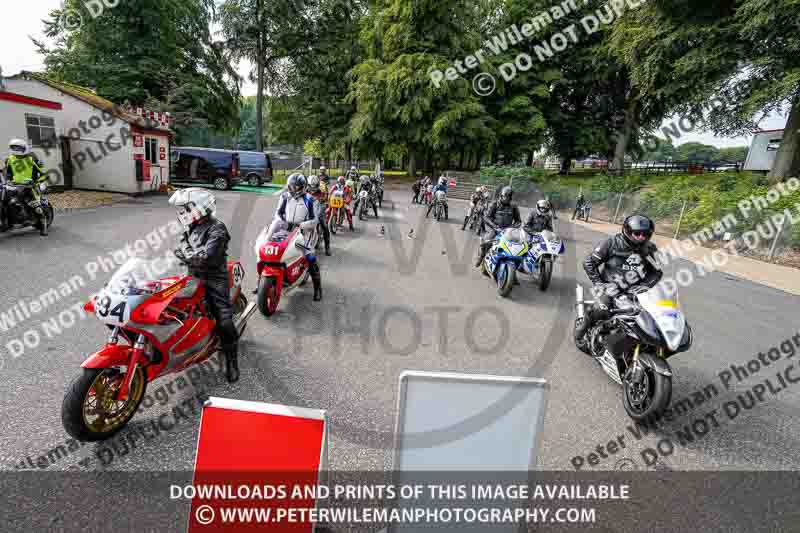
x=661 y=303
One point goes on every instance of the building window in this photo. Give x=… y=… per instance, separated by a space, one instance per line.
x=41 y=130
x=151 y=150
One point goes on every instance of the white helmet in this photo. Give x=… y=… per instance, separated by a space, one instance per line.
x=313 y=184
x=353 y=168
x=322 y=168
x=193 y=204
x=442 y=180
x=19 y=147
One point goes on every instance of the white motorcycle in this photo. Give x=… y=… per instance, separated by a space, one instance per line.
x=644 y=328
x=545 y=247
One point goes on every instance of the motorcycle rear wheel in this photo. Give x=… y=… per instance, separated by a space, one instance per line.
x=100 y=384
x=332 y=219
x=267 y=296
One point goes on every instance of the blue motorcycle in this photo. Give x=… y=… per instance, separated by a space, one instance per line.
x=505 y=257
x=544 y=249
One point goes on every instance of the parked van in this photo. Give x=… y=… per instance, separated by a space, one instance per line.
x=205 y=166
x=256 y=167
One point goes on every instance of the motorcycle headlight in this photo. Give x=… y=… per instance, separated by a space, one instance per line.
x=43 y=187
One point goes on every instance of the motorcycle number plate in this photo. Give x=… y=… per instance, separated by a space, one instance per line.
x=272 y=250
x=238 y=275
x=337 y=202
x=112 y=308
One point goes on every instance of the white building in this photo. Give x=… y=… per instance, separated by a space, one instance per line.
x=763 y=150
x=85 y=141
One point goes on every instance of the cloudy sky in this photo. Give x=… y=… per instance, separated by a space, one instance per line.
x=17 y=52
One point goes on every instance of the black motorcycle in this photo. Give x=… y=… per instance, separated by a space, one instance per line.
x=20 y=206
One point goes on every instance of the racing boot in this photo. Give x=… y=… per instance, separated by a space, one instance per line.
x=316 y=280
x=232 y=364
x=482 y=253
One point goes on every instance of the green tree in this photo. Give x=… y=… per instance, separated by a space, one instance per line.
x=146 y=51
x=737 y=153
x=266 y=33
x=699 y=152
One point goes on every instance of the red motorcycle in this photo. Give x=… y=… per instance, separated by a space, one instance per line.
x=283 y=263
x=157 y=328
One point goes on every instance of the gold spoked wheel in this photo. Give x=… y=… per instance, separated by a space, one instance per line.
x=91 y=411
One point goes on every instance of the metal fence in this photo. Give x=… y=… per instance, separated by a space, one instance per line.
x=769 y=234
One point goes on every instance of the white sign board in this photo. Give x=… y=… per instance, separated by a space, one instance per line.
x=451 y=422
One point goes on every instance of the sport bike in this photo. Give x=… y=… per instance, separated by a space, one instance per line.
x=283 y=261
x=545 y=247
x=473 y=216
x=505 y=257
x=158 y=326
x=362 y=204
x=644 y=329
x=21 y=206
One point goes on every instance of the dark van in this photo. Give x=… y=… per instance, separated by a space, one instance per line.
x=205 y=166
x=256 y=167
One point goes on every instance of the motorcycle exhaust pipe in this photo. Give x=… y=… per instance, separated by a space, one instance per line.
x=246 y=314
x=580 y=305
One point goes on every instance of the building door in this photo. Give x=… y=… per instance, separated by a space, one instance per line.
x=66 y=159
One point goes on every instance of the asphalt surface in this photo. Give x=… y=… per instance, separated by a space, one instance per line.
x=383 y=309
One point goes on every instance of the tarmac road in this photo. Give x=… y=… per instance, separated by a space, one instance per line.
x=390 y=307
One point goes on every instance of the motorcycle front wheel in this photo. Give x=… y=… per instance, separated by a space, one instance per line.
x=545 y=273
x=505 y=279
x=267 y=296
x=646 y=400
x=90 y=411
x=332 y=220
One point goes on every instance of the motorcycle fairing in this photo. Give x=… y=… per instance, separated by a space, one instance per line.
x=660 y=302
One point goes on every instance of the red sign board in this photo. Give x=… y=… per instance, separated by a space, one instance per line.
x=162 y=156
x=452 y=183
x=255 y=444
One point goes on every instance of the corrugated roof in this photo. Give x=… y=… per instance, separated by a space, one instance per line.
x=93 y=99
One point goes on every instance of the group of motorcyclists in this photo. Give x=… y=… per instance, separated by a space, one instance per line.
x=617 y=264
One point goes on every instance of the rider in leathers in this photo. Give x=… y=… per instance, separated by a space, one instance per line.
x=321 y=197
x=540 y=218
x=500 y=215
x=627 y=259
x=295 y=200
x=204 y=250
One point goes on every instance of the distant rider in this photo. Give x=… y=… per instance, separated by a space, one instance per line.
x=501 y=214
x=628 y=259
x=294 y=208
x=441 y=186
x=581 y=202
x=22 y=166
x=204 y=250
x=315 y=189
x=365 y=184
x=540 y=218
x=346 y=187
x=416 y=188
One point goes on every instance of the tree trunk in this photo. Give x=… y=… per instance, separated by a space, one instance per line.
x=529 y=162
x=624 y=137
x=566 y=165
x=348 y=156
x=260 y=81
x=412 y=161
x=787 y=160
x=461 y=160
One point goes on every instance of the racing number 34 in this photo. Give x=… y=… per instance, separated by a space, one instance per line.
x=103 y=308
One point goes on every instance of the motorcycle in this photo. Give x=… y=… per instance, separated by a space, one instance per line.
x=157 y=327
x=584 y=211
x=21 y=206
x=505 y=257
x=283 y=262
x=336 y=210
x=632 y=345
x=471 y=216
x=544 y=249
x=380 y=190
x=440 y=201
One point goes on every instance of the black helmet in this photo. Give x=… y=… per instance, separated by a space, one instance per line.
x=506 y=195
x=543 y=207
x=637 y=230
x=296 y=185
